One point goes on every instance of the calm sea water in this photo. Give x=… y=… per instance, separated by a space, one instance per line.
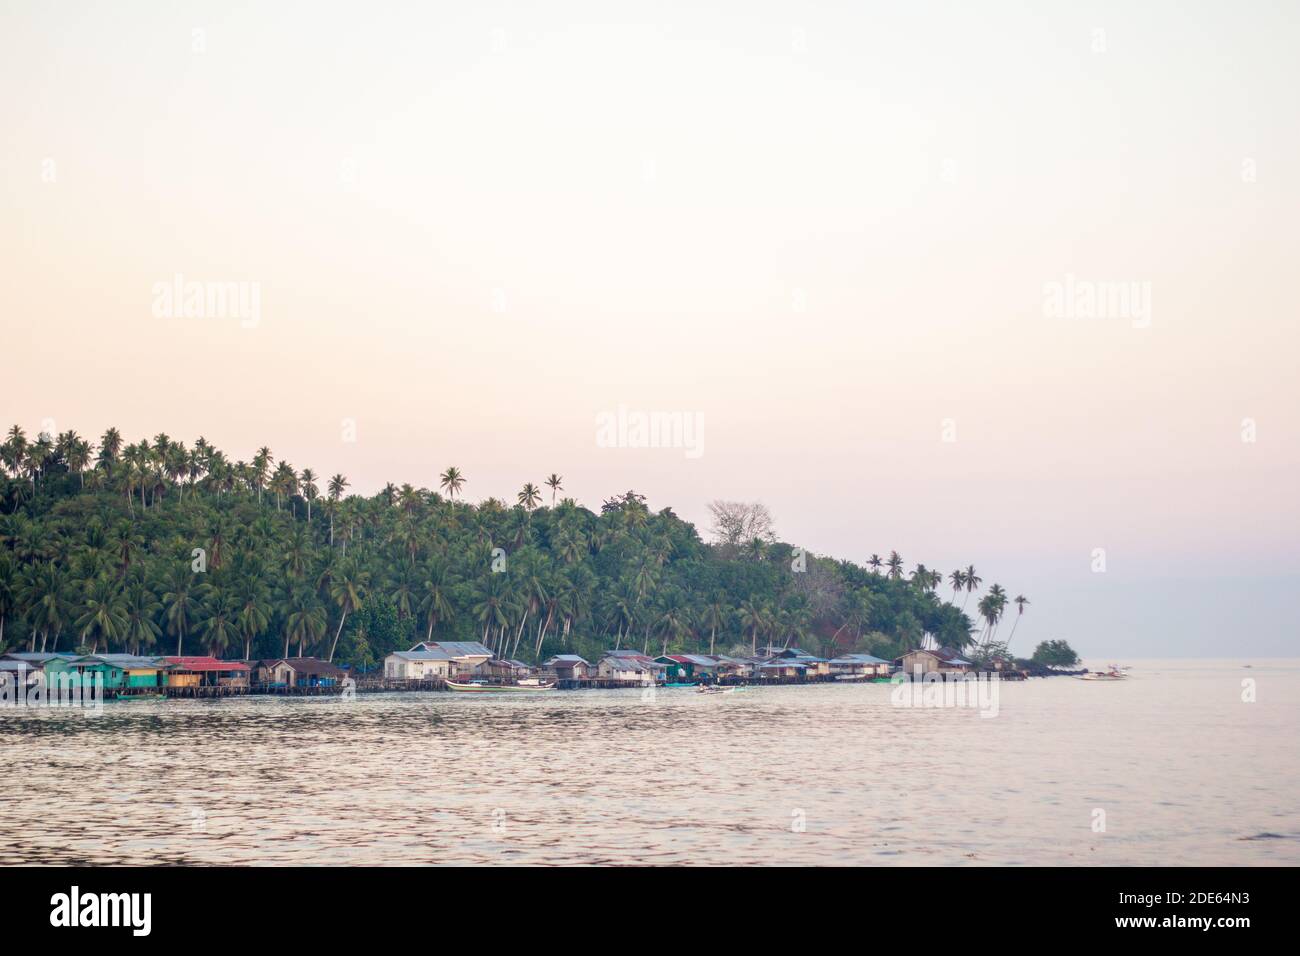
x=1184 y=770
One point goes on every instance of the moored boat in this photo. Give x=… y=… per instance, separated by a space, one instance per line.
x=483 y=687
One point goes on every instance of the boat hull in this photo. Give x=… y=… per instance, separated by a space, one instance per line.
x=499 y=688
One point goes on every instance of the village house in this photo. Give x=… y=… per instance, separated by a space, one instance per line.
x=732 y=667
x=569 y=667
x=942 y=660
x=688 y=667
x=205 y=672
x=468 y=657
x=860 y=665
x=136 y=671
x=505 y=669
x=630 y=666
x=417 y=665
x=306 y=672
x=21 y=675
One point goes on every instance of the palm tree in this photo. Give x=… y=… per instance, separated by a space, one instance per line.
x=714 y=616
x=219 y=628
x=309 y=489
x=435 y=595
x=347 y=590
x=530 y=497
x=261 y=466
x=9 y=586
x=142 y=610
x=553 y=482
x=452 y=481
x=958 y=580
x=306 y=620
x=103 y=614
x=337 y=485
x=895 y=565
x=180 y=603
x=972 y=582
x=752 y=619
x=1021 y=602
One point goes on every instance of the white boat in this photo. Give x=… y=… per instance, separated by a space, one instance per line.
x=483 y=687
x=714 y=689
x=1114 y=673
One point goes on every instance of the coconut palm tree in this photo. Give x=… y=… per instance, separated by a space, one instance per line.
x=181 y=601
x=337 y=485
x=218 y=626
x=1021 y=603
x=347 y=590
x=452 y=481
x=309 y=489
x=529 y=496
x=554 y=483
x=972 y=582
x=895 y=565
x=103 y=614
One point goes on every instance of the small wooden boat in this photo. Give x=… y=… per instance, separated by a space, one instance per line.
x=483 y=687
x=714 y=689
x=691 y=684
x=134 y=697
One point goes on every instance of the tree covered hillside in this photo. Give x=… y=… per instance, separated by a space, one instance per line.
x=156 y=547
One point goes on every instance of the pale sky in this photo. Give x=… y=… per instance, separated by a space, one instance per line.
x=825 y=228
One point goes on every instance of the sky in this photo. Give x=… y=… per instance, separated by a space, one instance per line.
x=996 y=284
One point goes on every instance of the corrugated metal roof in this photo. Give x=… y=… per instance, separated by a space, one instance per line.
x=566 y=659
x=455 y=648
x=422 y=655
x=204 y=664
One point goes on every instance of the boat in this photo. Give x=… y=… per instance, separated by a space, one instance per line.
x=134 y=697
x=691 y=684
x=714 y=689
x=483 y=687
x=1114 y=673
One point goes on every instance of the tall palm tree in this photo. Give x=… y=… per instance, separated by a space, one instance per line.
x=895 y=565
x=305 y=623
x=1021 y=603
x=553 y=482
x=530 y=497
x=337 y=485
x=180 y=602
x=218 y=626
x=309 y=489
x=874 y=562
x=972 y=582
x=103 y=614
x=347 y=590
x=452 y=481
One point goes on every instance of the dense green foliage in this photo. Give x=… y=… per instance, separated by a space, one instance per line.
x=1055 y=654
x=159 y=548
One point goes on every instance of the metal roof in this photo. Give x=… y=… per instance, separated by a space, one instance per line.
x=204 y=664
x=438 y=655
x=454 y=648
x=858 y=659
x=566 y=659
